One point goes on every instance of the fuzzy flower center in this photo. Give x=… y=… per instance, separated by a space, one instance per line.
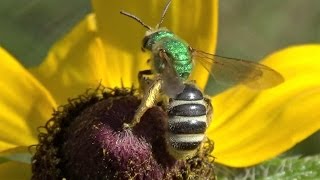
x=85 y=140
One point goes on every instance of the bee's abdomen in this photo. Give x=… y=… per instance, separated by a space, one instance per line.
x=186 y=133
x=195 y=125
x=190 y=93
x=188 y=110
x=185 y=142
x=187 y=122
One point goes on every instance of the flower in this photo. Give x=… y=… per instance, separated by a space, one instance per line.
x=248 y=127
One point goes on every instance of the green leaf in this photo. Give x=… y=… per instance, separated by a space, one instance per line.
x=284 y=168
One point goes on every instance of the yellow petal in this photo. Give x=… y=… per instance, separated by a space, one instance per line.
x=250 y=127
x=76 y=63
x=194 y=21
x=15 y=171
x=25 y=104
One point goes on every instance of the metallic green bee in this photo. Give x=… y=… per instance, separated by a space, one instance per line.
x=172 y=60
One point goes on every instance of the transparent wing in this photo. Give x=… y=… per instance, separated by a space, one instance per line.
x=172 y=84
x=234 y=71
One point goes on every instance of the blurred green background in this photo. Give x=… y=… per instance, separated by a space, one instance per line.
x=29 y=27
x=248 y=29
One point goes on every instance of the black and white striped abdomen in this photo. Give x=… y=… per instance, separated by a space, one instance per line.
x=187 y=122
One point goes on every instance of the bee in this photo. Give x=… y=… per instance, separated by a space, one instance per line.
x=172 y=61
x=189 y=114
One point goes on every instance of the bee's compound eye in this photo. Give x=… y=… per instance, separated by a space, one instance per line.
x=145 y=41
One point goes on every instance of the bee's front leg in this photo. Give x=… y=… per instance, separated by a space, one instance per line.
x=145 y=80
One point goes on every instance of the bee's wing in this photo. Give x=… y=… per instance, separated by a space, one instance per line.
x=172 y=84
x=233 y=71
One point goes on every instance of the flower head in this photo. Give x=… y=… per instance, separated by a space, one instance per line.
x=248 y=127
x=85 y=138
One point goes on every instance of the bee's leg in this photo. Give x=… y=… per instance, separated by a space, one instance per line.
x=144 y=72
x=207 y=145
x=145 y=81
x=149 y=99
x=209 y=109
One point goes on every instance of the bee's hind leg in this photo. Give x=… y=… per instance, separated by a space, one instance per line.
x=207 y=145
x=209 y=107
x=151 y=88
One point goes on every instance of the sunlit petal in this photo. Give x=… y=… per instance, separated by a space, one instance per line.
x=194 y=21
x=78 y=62
x=250 y=126
x=15 y=171
x=25 y=104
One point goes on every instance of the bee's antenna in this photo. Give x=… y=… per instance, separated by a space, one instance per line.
x=135 y=18
x=164 y=13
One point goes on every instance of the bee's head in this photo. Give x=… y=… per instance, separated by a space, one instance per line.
x=152 y=36
x=151 y=32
